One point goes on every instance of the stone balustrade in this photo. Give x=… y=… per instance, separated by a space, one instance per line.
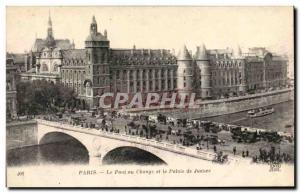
x=138 y=140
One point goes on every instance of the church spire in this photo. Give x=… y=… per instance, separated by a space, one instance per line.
x=50 y=31
x=50 y=38
x=49 y=20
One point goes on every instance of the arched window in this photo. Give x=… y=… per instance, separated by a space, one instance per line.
x=88 y=89
x=44 y=67
x=8 y=85
x=55 y=67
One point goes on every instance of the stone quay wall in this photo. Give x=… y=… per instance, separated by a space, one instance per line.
x=234 y=105
x=20 y=134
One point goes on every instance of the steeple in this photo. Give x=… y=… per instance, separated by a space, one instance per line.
x=49 y=20
x=50 y=38
x=50 y=31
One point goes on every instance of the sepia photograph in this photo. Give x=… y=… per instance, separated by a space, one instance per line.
x=150 y=96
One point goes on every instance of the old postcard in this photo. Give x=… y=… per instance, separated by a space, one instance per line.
x=150 y=96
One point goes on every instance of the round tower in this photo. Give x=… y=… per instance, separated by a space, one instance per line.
x=202 y=63
x=184 y=71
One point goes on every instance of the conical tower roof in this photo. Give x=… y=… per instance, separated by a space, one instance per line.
x=201 y=53
x=184 y=54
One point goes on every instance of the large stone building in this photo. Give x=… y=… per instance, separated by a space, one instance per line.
x=97 y=68
x=11 y=91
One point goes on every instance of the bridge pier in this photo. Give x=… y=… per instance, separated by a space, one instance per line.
x=95 y=159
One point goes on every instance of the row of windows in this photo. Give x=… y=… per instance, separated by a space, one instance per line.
x=74 y=62
x=75 y=75
x=45 y=68
x=101 y=69
x=275 y=75
x=228 y=64
x=102 y=81
x=226 y=73
x=143 y=74
x=256 y=77
x=226 y=81
x=51 y=54
x=190 y=71
x=152 y=86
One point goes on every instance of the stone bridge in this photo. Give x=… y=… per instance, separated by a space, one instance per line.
x=99 y=144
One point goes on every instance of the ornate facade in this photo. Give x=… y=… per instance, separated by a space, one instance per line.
x=11 y=91
x=97 y=68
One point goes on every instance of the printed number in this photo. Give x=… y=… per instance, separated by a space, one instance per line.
x=20 y=173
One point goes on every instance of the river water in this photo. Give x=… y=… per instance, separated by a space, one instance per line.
x=281 y=120
x=72 y=152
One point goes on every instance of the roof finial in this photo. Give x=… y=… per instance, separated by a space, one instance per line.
x=94 y=19
x=105 y=33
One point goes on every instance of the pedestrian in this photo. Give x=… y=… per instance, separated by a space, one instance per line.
x=234 y=150
x=247 y=153
x=197 y=146
x=215 y=149
x=243 y=154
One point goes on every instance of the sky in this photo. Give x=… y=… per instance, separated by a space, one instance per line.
x=157 y=27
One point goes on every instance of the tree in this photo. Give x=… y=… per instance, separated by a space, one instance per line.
x=40 y=96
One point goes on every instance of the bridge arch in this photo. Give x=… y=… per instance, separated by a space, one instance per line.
x=102 y=144
x=57 y=136
x=63 y=148
x=128 y=154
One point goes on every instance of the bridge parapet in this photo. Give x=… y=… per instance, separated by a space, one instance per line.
x=177 y=149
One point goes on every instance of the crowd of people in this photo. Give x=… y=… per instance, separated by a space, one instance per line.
x=199 y=134
x=271 y=156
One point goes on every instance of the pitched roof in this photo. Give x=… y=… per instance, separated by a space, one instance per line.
x=74 y=54
x=141 y=52
x=17 y=58
x=63 y=44
x=142 y=56
x=96 y=37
